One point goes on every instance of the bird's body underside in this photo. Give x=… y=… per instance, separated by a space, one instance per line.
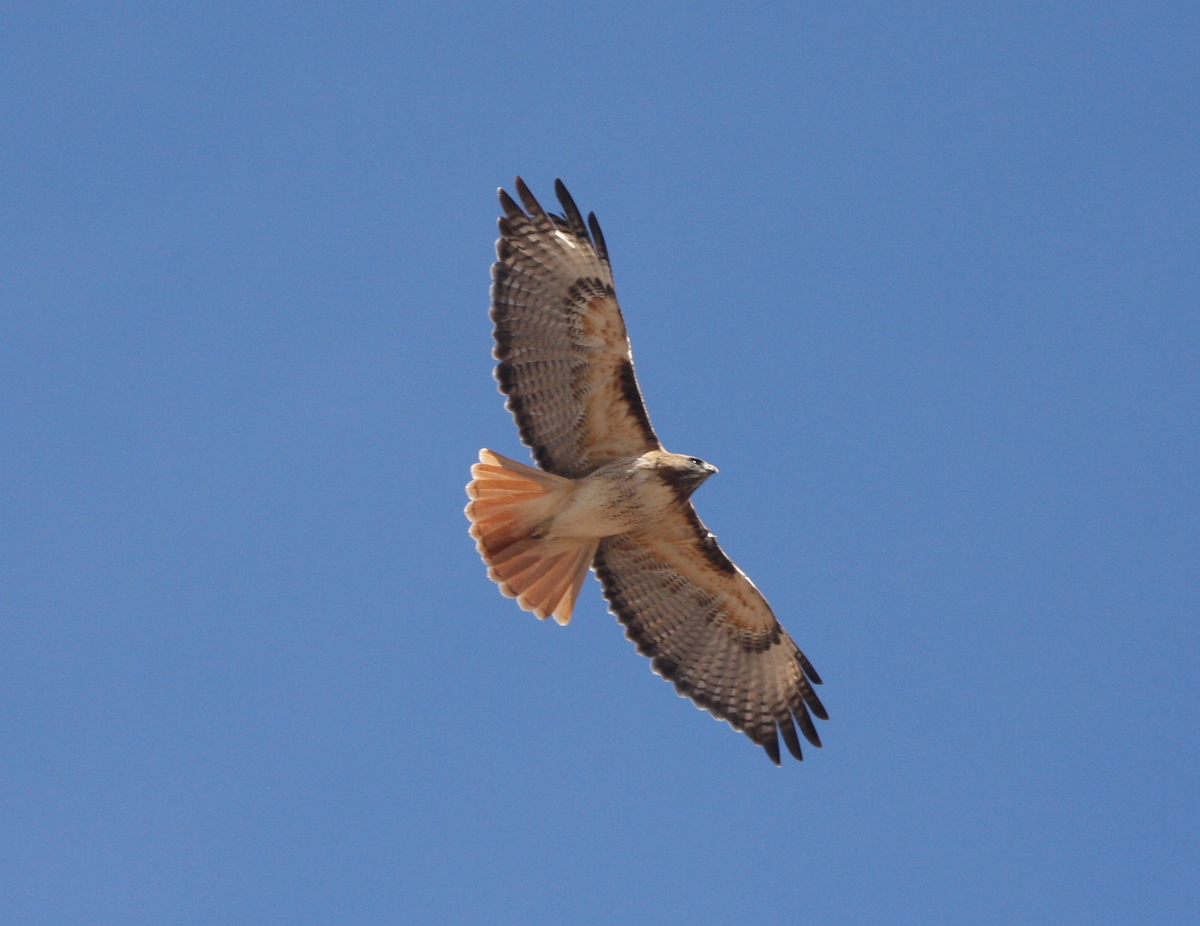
x=608 y=496
x=534 y=528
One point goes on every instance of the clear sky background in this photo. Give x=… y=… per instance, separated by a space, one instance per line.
x=920 y=278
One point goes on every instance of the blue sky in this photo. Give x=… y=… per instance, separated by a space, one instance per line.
x=921 y=280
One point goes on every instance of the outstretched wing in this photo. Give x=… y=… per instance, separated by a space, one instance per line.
x=710 y=631
x=565 y=362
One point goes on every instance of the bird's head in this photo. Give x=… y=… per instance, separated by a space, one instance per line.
x=681 y=473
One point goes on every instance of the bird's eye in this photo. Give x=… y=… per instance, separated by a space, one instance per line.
x=695 y=461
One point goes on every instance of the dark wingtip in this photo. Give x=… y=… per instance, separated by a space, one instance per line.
x=574 y=219
x=532 y=206
x=772 y=748
x=814 y=704
x=806 y=726
x=598 y=237
x=511 y=209
x=789 y=737
x=809 y=671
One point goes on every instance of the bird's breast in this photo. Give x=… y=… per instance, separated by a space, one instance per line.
x=617 y=498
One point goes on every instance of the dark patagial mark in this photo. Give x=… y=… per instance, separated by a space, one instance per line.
x=628 y=387
x=707 y=543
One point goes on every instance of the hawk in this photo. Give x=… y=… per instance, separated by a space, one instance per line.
x=608 y=496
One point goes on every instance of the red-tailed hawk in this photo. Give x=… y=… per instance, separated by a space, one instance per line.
x=609 y=497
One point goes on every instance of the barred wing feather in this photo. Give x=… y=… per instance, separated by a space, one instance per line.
x=565 y=362
x=566 y=367
x=709 y=630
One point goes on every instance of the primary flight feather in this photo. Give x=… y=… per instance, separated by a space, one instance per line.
x=608 y=495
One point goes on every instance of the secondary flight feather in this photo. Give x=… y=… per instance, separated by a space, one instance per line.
x=608 y=496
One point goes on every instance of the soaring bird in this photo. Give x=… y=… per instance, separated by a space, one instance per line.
x=607 y=495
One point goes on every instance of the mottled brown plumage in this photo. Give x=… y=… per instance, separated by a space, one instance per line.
x=609 y=494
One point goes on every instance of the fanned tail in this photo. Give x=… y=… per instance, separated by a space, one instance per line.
x=509 y=503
